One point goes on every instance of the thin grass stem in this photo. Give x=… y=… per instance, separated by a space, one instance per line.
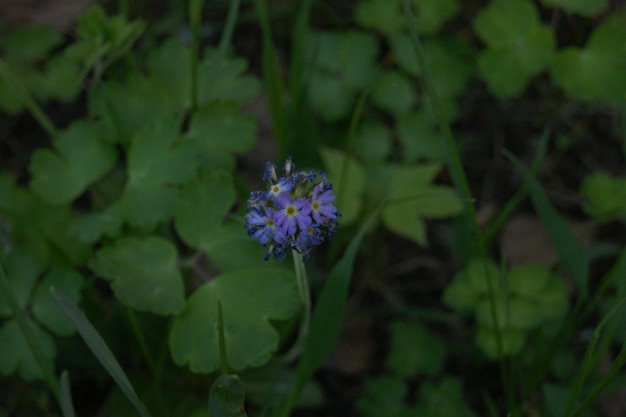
x=462 y=185
x=229 y=28
x=27 y=99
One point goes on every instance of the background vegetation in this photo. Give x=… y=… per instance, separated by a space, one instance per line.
x=476 y=151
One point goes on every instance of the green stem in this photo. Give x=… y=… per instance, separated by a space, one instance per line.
x=27 y=99
x=461 y=183
x=29 y=335
x=302 y=283
x=229 y=28
x=195 y=12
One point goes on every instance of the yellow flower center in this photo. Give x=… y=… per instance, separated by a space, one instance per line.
x=290 y=211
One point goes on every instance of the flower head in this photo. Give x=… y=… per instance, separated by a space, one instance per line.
x=296 y=211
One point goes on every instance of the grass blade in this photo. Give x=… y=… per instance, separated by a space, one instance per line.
x=67 y=406
x=570 y=251
x=271 y=74
x=99 y=348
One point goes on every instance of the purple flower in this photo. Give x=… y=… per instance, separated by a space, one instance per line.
x=322 y=207
x=292 y=213
x=261 y=226
x=295 y=212
x=282 y=186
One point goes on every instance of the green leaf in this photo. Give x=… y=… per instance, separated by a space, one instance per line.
x=203 y=204
x=17 y=356
x=394 y=93
x=90 y=227
x=386 y=15
x=419 y=137
x=517 y=44
x=22 y=271
x=126 y=109
x=470 y=285
x=416 y=199
x=250 y=298
x=169 y=65
x=223 y=126
x=157 y=164
x=382 y=15
x=45 y=308
x=30 y=44
x=226 y=398
x=512 y=340
x=38 y=227
x=414 y=350
x=349 y=56
x=330 y=97
x=100 y=349
x=545 y=290
x=430 y=15
x=583 y=8
x=101 y=40
x=80 y=159
x=597 y=71
x=222 y=79
x=570 y=251
x=442 y=399
x=348 y=179
x=384 y=395
x=372 y=141
x=231 y=248
x=605 y=196
x=144 y=273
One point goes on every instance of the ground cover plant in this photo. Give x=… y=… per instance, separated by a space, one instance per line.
x=352 y=208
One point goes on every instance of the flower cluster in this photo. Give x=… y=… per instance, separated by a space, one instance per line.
x=296 y=211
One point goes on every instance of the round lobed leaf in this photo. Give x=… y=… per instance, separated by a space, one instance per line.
x=144 y=273
x=250 y=299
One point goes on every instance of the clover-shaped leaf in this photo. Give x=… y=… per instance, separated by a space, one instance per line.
x=222 y=126
x=124 y=109
x=511 y=341
x=344 y=64
x=230 y=248
x=34 y=296
x=250 y=298
x=348 y=179
x=144 y=273
x=90 y=227
x=538 y=286
x=395 y=94
x=384 y=395
x=583 y=8
x=350 y=56
x=415 y=199
x=80 y=158
x=372 y=141
x=442 y=399
x=413 y=350
x=518 y=45
x=103 y=39
x=331 y=98
x=17 y=356
x=597 y=70
x=471 y=284
x=387 y=16
x=204 y=203
x=223 y=79
x=605 y=196
x=157 y=164
x=419 y=137
x=38 y=227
